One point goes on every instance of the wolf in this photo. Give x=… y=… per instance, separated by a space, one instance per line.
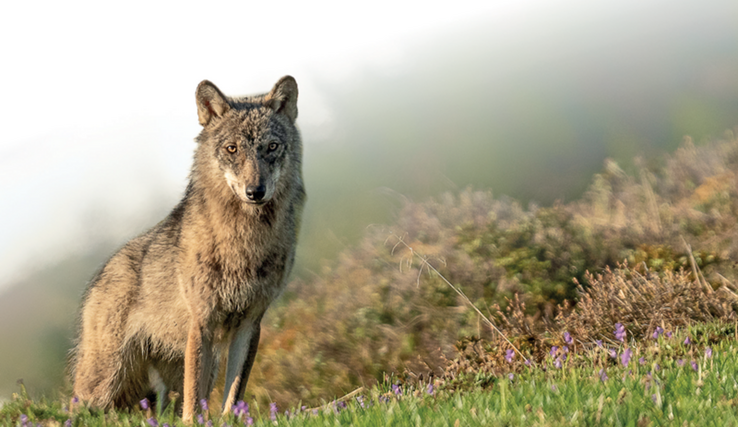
x=164 y=309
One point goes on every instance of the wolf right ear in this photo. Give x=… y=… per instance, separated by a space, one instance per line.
x=210 y=102
x=283 y=97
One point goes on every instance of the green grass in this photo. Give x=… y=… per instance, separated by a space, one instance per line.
x=637 y=395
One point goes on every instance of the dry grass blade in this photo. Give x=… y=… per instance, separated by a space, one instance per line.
x=466 y=299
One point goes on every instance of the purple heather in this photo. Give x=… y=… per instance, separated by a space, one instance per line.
x=557 y=363
x=200 y=419
x=620 y=332
x=396 y=389
x=273 y=411
x=554 y=350
x=509 y=355
x=428 y=390
x=204 y=404
x=152 y=422
x=240 y=408
x=668 y=334
x=599 y=343
x=625 y=357
x=694 y=365
x=613 y=353
x=567 y=338
x=658 y=331
x=687 y=341
x=144 y=404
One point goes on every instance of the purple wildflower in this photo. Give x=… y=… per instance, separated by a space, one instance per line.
x=287 y=413
x=273 y=411
x=680 y=362
x=68 y=422
x=620 y=332
x=24 y=419
x=613 y=353
x=668 y=334
x=167 y=425
x=200 y=419
x=396 y=389
x=625 y=357
x=565 y=348
x=656 y=367
x=708 y=352
x=75 y=399
x=557 y=363
x=527 y=362
x=152 y=422
x=303 y=407
x=687 y=341
x=657 y=332
x=144 y=404
x=642 y=360
x=509 y=355
x=204 y=405
x=249 y=421
x=567 y=338
x=599 y=343
x=209 y=423
x=553 y=387
x=694 y=365
x=603 y=375
x=554 y=350
x=511 y=376
x=240 y=408
x=428 y=390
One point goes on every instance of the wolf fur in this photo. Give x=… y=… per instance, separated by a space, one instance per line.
x=166 y=306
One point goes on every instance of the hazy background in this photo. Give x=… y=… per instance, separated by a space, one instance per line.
x=397 y=100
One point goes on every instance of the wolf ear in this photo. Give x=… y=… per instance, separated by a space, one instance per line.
x=210 y=102
x=283 y=97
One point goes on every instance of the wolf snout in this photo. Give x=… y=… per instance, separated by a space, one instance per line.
x=255 y=193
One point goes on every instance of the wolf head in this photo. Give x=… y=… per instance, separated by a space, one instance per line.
x=250 y=143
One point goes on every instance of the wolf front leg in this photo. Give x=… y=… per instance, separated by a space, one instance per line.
x=241 y=355
x=197 y=370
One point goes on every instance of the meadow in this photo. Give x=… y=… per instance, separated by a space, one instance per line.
x=683 y=377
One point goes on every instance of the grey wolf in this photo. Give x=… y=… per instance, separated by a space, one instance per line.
x=164 y=310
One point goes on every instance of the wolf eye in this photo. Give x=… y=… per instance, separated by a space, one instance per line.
x=231 y=149
x=273 y=146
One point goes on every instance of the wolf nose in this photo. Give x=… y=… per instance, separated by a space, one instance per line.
x=255 y=193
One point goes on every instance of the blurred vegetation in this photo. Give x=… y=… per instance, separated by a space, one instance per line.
x=376 y=309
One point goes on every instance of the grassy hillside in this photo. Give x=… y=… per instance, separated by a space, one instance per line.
x=652 y=248
x=377 y=309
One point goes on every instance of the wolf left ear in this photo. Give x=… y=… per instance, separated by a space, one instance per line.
x=210 y=102
x=283 y=97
